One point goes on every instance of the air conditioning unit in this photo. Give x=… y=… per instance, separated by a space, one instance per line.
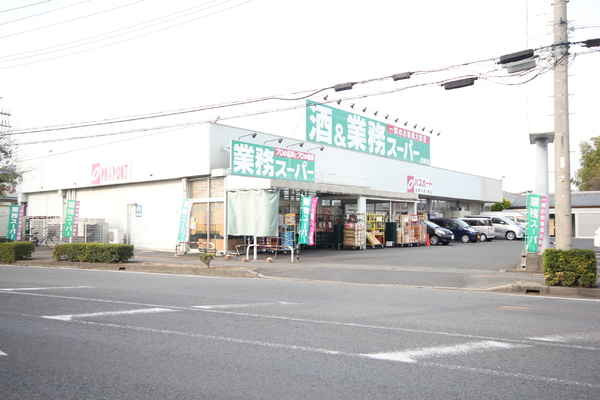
x=115 y=236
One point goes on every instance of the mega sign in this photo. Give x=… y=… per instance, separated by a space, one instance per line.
x=117 y=172
x=328 y=125
x=259 y=161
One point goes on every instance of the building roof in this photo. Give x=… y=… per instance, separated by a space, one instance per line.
x=578 y=200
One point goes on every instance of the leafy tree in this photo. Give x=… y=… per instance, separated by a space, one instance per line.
x=588 y=176
x=9 y=177
x=505 y=205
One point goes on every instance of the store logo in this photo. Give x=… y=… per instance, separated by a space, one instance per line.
x=419 y=185
x=111 y=173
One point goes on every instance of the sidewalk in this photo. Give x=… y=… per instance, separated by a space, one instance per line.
x=396 y=267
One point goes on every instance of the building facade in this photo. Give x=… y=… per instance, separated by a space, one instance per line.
x=132 y=191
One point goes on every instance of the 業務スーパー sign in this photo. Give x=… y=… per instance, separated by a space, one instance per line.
x=328 y=125
x=259 y=161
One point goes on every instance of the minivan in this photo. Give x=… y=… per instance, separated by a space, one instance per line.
x=507 y=228
x=484 y=225
x=462 y=231
x=515 y=216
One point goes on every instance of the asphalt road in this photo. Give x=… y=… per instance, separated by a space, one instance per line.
x=75 y=334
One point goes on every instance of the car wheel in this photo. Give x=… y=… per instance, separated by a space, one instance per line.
x=483 y=237
x=465 y=238
x=510 y=235
x=434 y=239
x=445 y=243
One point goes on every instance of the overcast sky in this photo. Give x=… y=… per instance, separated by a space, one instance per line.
x=71 y=61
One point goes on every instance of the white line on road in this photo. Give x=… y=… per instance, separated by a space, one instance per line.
x=485 y=371
x=226 y=306
x=3 y=354
x=574 y=337
x=44 y=288
x=108 y=313
x=410 y=356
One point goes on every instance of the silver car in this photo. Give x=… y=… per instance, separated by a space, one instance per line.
x=485 y=226
x=507 y=228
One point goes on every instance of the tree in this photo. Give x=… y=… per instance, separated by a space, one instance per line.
x=9 y=177
x=505 y=205
x=588 y=176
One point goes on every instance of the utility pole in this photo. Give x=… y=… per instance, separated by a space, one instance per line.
x=562 y=159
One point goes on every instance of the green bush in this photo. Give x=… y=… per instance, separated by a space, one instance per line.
x=13 y=251
x=93 y=252
x=577 y=267
x=206 y=258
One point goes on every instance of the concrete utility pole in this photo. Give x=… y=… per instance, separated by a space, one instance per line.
x=562 y=159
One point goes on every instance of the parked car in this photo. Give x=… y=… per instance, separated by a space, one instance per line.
x=485 y=226
x=437 y=234
x=461 y=230
x=507 y=228
x=515 y=216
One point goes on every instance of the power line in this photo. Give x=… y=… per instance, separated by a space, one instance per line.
x=29 y=5
x=70 y=20
x=98 y=36
x=43 y=13
x=131 y=38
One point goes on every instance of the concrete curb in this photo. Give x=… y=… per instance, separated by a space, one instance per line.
x=542 y=290
x=157 y=268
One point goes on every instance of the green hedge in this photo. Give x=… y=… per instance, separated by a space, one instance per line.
x=93 y=252
x=13 y=251
x=577 y=267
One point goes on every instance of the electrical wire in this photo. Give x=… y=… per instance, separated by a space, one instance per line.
x=45 y=12
x=70 y=20
x=550 y=58
x=90 y=41
x=131 y=38
x=29 y=5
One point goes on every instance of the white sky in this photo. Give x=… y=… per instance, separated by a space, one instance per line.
x=229 y=50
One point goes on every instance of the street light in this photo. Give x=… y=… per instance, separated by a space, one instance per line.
x=250 y=134
x=272 y=140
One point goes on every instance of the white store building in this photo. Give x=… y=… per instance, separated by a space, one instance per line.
x=132 y=191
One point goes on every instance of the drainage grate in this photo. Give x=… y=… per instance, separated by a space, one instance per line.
x=532 y=291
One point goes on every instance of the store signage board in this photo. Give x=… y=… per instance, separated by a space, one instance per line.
x=71 y=219
x=328 y=125
x=250 y=159
x=308 y=218
x=15 y=222
x=537 y=216
x=419 y=185
x=182 y=234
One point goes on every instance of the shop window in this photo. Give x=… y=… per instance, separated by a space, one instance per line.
x=199 y=189
x=199 y=222
x=208 y=188
x=217 y=187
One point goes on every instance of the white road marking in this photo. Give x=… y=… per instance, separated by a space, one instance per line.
x=575 y=337
x=410 y=356
x=3 y=353
x=225 y=306
x=108 y=313
x=44 y=288
x=484 y=371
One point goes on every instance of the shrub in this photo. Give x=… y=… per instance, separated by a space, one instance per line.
x=93 y=252
x=206 y=258
x=577 y=267
x=13 y=251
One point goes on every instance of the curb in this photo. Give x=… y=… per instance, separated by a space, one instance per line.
x=542 y=290
x=157 y=268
